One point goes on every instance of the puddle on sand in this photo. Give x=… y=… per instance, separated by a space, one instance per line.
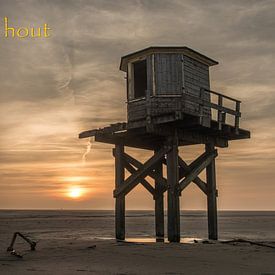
x=153 y=240
x=165 y=240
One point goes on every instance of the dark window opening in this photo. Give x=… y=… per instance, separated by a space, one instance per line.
x=140 y=78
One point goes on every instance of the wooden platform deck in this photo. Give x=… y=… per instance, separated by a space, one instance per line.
x=188 y=129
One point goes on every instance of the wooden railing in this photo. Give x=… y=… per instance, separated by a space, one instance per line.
x=205 y=101
x=221 y=109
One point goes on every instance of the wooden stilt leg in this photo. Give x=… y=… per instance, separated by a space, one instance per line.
x=159 y=207
x=173 y=210
x=120 y=201
x=211 y=196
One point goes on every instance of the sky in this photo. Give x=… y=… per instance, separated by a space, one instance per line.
x=51 y=89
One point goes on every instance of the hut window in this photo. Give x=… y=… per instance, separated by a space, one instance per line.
x=140 y=78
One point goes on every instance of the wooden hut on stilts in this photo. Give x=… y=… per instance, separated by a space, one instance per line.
x=170 y=104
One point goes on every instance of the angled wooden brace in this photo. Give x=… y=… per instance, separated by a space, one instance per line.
x=196 y=167
x=161 y=180
x=142 y=172
x=186 y=169
x=143 y=181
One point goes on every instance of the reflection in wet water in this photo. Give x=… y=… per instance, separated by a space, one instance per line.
x=165 y=240
x=153 y=240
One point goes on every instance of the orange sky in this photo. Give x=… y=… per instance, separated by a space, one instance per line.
x=52 y=89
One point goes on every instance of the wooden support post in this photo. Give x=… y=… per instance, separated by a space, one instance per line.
x=173 y=208
x=120 y=200
x=211 y=196
x=159 y=206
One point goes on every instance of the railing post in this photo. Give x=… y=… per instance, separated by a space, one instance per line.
x=204 y=119
x=220 y=116
x=237 y=117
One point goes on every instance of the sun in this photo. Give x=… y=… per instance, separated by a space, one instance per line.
x=75 y=192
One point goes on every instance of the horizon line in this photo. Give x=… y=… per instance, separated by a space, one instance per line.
x=87 y=209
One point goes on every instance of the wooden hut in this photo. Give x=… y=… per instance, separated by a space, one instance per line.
x=170 y=104
x=165 y=75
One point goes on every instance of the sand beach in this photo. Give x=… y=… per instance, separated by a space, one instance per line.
x=82 y=242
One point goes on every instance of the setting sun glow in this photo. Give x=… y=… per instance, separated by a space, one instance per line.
x=75 y=192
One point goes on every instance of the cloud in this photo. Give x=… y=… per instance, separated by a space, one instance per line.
x=52 y=89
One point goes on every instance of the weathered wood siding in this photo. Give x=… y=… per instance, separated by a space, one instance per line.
x=196 y=76
x=168 y=73
x=171 y=74
x=136 y=110
x=149 y=69
x=159 y=106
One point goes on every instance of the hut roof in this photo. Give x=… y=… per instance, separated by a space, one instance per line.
x=174 y=49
